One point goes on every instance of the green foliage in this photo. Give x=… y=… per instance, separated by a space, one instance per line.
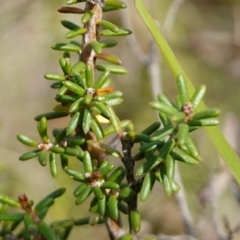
x=223 y=147
x=89 y=102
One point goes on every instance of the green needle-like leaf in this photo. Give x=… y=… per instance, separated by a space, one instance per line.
x=51 y=115
x=87 y=119
x=10 y=201
x=84 y=195
x=147 y=186
x=87 y=162
x=80 y=188
x=74 y=88
x=73 y=123
x=29 y=155
x=108 y=25
x=96 y=46
x=42 y=157
x=46 y=231
x=52 y=163
x=182 y=89
x=75 y=32
x=135 y=220
x=110 y=185
x=66 y=47
x=26 y=140
x=117 y=175
x=11 y=216
x=112 y=206
x=111 y=68
x=42 y=129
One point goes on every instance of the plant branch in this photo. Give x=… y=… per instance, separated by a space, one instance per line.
x=129 y=164
x=171 y=16
x=226 y=151
x=151 y=61
x=88 y=56
x=92 y=33
x=132 y=40
x=155 y=73
x=182 y=204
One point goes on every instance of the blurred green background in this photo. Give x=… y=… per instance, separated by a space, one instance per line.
x=206 y=40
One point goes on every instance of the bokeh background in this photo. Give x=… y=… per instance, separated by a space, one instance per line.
x=205 y=38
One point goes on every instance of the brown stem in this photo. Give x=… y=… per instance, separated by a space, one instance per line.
x=92 y=34
x=88 y=56
x=114 y=228
x=129 y=164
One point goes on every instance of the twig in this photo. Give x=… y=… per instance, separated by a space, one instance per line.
x=229 y=129
x=87 y=56
x=152 y=61
x=132 y=40
x=180 y=196
x=230 y=231
x=129 y=164
x=114 y=228
x=171 y=16
x=92 y=34
x=179 y=237
x=220 y=182
x=236 y=228
x=182 y=204
x=154 y=70
x=213 y=210
x=228 y=228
